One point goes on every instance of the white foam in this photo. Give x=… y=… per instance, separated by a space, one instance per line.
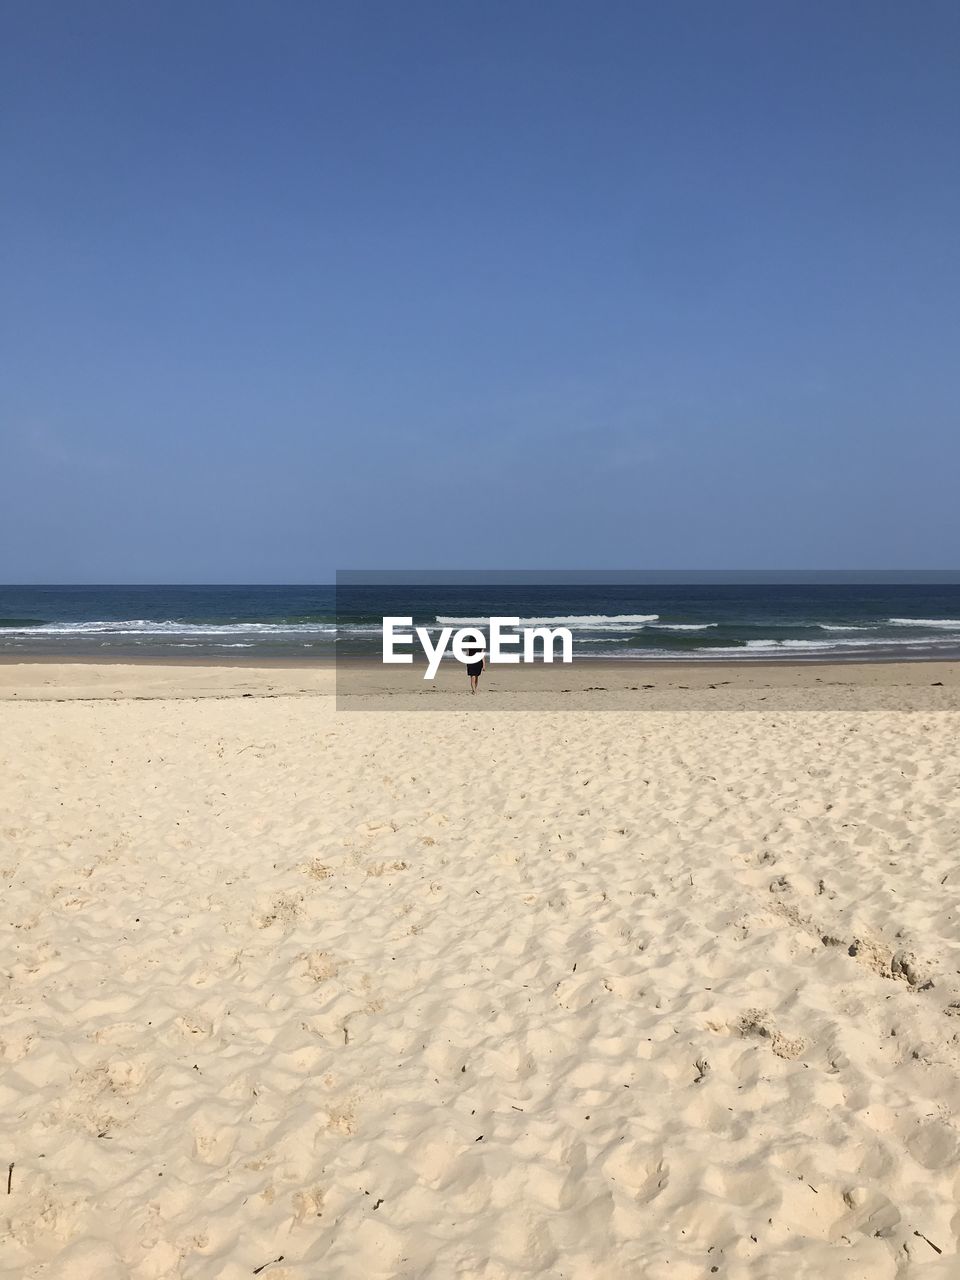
x=595 y=621
x=823 y=646
x=951 y=623
x=686 y=626
x=798 y=649
x=148 y=627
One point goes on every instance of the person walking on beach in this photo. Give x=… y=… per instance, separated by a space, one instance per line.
x=476 y=666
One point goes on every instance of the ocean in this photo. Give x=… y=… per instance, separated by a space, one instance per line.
x=689 y=622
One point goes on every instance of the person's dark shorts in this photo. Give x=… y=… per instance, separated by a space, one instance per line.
x=475 y=668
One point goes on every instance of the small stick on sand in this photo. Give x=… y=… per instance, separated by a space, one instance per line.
x=10 y=1177
x=916 y=1233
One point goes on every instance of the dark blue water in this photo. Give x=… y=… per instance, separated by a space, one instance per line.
x=718 y=622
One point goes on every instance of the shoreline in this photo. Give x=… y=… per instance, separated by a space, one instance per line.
x=586 y=684
x=371 y=663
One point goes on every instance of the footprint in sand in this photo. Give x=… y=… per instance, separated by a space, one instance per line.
x=757 y=1022
x=645 y=1174
x=934 y=1145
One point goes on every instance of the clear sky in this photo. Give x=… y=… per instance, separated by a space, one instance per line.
x=291 y=287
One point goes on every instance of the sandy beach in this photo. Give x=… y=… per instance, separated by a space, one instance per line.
x=660 y=983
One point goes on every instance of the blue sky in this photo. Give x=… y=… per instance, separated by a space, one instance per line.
x=300 y=286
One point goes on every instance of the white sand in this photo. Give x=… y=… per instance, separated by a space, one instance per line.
x=647 y=994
